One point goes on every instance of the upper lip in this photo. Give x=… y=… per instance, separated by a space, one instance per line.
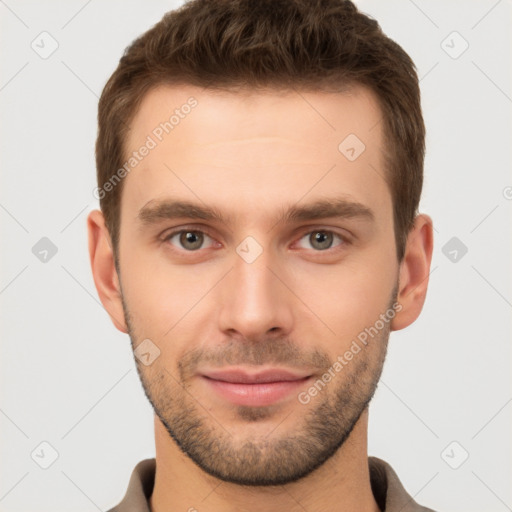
x=236 y=375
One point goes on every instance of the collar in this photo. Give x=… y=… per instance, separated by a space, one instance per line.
x=387 y=489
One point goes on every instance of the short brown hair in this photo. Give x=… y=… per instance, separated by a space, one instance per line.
x=320 y=45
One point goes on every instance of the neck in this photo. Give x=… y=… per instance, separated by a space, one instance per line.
x=342 y=483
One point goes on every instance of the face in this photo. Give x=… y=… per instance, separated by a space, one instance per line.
x=258 y=259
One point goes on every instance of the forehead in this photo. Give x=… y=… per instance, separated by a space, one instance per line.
x=221 y=114
x=262 y=146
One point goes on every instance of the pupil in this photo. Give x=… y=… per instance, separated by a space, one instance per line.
x=191 y=240
x=322 y=240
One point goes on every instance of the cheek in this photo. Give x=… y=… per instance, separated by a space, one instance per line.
x=161 y=297
x=346 y=297
x=144 y=287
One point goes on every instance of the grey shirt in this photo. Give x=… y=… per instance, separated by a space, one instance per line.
x=389 y=492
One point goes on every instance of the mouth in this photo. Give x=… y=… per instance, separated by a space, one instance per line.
x=255 y=389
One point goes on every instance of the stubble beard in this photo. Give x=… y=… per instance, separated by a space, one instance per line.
x=278 y=456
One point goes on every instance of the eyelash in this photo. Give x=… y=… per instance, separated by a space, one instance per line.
x=344 y=239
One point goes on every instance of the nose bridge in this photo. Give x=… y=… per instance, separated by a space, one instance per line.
x=254 y=300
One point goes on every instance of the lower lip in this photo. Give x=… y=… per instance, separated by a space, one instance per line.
x=264 y=393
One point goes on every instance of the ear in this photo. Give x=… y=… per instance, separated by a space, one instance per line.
x=414 y=272
x=103 y=269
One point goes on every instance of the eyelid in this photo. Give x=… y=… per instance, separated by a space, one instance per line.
x=307 y=230
x=345 y=238
x=337 y=230
x=193 y=229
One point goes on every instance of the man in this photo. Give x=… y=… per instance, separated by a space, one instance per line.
x=260 y=166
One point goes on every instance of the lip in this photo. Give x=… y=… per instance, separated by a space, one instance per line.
x=239 y=376
x=254 y=389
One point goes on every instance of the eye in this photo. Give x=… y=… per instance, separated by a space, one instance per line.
x=190 y=240
x=320 y=239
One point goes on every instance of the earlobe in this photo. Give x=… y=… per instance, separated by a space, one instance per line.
x=414 y=272
x=103 y=269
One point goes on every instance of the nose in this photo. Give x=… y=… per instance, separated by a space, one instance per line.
x=254 y=301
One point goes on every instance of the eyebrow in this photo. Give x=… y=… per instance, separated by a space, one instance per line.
x=155 y=211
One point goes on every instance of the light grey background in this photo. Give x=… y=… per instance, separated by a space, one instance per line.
x=67 y=375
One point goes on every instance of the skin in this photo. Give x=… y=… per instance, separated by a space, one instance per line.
x=299 y=305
